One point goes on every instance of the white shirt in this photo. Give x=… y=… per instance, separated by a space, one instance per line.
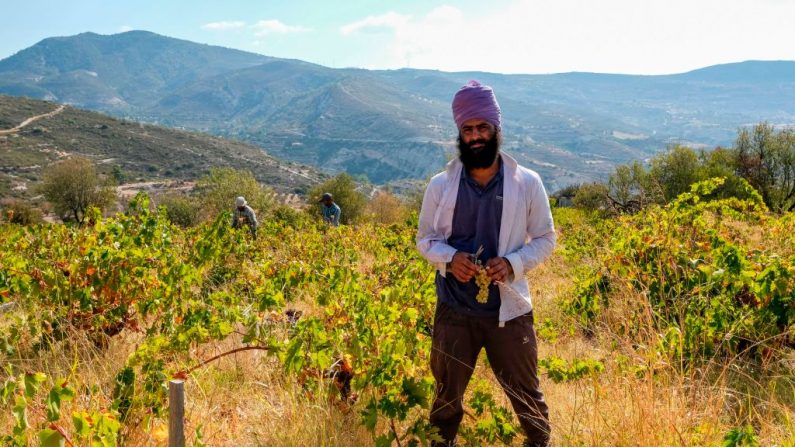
x=527 y=233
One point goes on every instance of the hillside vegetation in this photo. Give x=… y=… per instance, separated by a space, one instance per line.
x=139 y=152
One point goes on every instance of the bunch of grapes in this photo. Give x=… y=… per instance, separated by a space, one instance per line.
x=482 y=280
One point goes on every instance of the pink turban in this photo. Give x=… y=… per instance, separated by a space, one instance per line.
x=476 y=101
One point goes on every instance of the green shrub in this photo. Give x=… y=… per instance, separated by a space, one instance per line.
x=560 y=370
x=181 y=210
x=592 y=197
x=290 y=216
x=22 y=213
x=385 y=208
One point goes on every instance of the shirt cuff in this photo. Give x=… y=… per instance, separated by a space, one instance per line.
x=515 y=259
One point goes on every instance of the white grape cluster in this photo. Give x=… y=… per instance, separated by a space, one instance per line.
x=481 y=279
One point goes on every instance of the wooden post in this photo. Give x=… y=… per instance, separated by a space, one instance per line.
x=176 y=413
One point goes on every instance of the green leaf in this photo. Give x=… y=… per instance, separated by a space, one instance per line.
x=32 y=382
x=81 y=424
x=384 y=440
x=9 y=386
x=740 y=437
x=53 y=406
x=415 y=392
x=292 y=360
x=51 y=438
x=60 y=392
x=370 y=416
x=20 y=415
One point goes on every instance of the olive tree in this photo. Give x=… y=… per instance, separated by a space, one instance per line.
x=766 y=158
x=73 y=186
x=631 y=188
x=675 y=170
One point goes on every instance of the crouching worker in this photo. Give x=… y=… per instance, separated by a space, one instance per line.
x=244 y=215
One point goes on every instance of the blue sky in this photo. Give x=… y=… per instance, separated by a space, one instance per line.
x=508 y=36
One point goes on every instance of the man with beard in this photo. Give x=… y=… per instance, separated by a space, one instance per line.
x=485 y=212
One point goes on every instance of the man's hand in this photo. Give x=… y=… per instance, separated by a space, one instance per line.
x=462 y=267
x=499 y=269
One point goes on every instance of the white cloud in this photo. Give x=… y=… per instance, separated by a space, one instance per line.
x=125 y=28
x=629 y=36
x=224 y=25
x=390 y=20
x=264 y=27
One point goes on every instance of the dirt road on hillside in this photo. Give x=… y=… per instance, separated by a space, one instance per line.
x=30 y=120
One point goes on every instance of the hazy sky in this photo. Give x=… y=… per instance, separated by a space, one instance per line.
x=508 y=36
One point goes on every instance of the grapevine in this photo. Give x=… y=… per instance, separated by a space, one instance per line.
x=370 y=297
x=178 y=290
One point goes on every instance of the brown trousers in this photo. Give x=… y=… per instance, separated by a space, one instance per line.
x=513 y=354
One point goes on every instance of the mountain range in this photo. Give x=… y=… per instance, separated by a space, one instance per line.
x=396 y=124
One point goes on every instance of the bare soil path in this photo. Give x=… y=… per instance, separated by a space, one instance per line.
x=30 y=120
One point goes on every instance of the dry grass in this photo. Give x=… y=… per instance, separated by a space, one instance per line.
x=245 y=400
x=242 y=400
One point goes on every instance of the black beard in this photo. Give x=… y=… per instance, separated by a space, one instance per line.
x=479 y=158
